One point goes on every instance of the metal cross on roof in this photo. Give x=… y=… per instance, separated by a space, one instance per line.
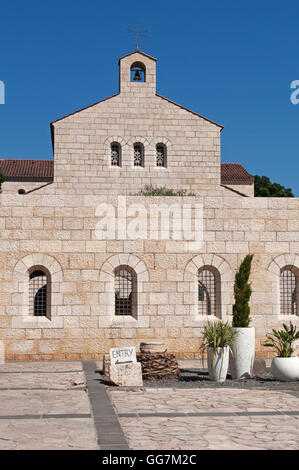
x=138 y=33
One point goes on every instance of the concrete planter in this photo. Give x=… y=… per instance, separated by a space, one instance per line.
x=243 y=349
x=218 y=364
x=285 y=369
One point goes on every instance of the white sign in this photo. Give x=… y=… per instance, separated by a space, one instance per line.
x=125 y=355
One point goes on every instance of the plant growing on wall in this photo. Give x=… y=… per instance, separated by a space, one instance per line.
x=2 y=179
x=242 y=292
x=150 y=190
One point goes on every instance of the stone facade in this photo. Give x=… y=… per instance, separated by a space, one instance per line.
x=55 y=228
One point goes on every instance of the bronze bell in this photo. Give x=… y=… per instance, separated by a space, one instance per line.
x=137 y=77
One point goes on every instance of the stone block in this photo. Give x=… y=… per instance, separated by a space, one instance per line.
x=259 y=367
x=126 y=375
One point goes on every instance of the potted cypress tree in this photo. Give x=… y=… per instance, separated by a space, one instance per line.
x=243 y=346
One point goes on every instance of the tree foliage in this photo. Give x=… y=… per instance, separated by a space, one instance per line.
x=242 y=292
x=264 y=188
x=2 y=178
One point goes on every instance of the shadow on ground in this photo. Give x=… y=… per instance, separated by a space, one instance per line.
x=199 y=378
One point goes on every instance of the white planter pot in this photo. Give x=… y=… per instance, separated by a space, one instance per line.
x=243 y=350
x=285 y=368
x=218 y=364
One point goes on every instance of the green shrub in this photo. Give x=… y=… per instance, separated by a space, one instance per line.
x=150 y=190
x=242 y=292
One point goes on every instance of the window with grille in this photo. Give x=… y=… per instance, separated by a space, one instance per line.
x=161 y=155
x=207 y=295
x=115 y=154
x=125 y=291
x=38 y=293
x=288 y=292
x=138 y=154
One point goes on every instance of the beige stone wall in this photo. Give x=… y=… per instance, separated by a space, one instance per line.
x=247 y=189
x=12 y=187
x=55 y=227
x=137 y=114
x=58 y=232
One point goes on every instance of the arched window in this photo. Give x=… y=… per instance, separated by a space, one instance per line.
x=39 y=292
x=138 y=72
x=289 y=280
x=115 y=154
x=161 y=155
x=209 y=291
x=138 y=154
x=125 y=291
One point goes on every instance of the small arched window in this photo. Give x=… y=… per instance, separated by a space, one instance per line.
x=161 y=155
x=115 y=154
x=39 y=292
x=125 y=291
x=289 y=281
x=209 y=291
x=138 y=154
x=137 y=72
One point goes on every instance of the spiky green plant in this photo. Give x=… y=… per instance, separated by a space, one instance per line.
x=242 y=292
x=283 y=340
x=217 y=335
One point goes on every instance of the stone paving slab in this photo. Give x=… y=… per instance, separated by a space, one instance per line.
x=41 y=366
x=41 y=408
x=238 y=418
x=43 y=402
x=41 y=380
x=44 y=434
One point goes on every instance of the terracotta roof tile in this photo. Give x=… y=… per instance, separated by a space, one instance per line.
x=235 y=173
x=231 y=173
x=27 y=169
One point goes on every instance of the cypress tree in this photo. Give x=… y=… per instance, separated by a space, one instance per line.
x=242 y=292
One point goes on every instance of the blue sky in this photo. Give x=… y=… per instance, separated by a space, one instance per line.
x=231 y=61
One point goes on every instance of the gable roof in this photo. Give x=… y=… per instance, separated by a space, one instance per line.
x=190 y=111
x=139 y=52
x=235 y=173
x=19 y=169
x=41 y=170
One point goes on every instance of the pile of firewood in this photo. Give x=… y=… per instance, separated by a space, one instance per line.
x=158 y=366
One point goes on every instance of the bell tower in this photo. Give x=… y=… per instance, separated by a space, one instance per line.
x=137 y=73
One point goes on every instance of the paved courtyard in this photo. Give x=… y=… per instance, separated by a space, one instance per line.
x=64 y=405
x=209 y=418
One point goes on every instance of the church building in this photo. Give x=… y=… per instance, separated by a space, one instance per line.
x=91 y=258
